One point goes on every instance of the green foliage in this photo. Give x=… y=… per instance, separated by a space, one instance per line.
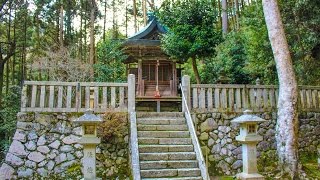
x=246 y=55
x=302 y=23
x=109 y=66
x=192 y=29
x=310 y=164
x=230 y=61
x=268 y=162
x=187 y=70
x=8 y=116
x=259 y=57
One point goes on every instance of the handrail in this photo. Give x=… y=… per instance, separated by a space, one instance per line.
x=135 y=164
x=197 y=148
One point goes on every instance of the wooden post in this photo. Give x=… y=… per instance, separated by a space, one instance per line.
x=174 y=79
x=186 y=90
x=24 y=97
x=140 y=77
x=51 y=97
x=91 y=99
x=157 y=79
x=131 y=93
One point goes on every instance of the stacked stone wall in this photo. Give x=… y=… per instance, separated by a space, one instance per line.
x=224 y=154
x=47 y=144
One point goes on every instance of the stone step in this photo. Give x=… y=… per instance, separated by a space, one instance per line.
x=164 y=141
x=143 y=127
x=167 y=156
x=161 y=121
x=164 y=134
x=185 y=172
x=165 y=148
x=168 y=164
x=175 y=178
x=159 y=114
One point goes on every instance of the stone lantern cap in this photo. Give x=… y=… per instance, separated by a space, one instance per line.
x=247 y=117
x=88 y=117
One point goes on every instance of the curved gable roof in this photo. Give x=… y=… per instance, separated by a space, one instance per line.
x=152 y=28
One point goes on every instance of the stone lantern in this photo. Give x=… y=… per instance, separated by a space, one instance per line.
x=249 y=139
x=89 y=140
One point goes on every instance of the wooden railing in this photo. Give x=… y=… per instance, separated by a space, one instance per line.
x=236 y=98
x=50 y=96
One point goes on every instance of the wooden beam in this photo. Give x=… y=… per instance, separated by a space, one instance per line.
x=140 y=78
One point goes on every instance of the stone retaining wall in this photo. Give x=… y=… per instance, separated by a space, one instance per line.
x=217 y=138
x=46 y=144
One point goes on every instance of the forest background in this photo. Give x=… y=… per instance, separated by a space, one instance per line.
x=78 y=40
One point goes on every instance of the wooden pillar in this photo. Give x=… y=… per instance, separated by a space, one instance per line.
x=140 y=88
x=174 y=79
x=157 y=76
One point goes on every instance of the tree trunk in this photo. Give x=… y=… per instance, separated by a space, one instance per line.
x=113 y=19
x=152 y=5
x=286 y=129
x=1 y=81
x=220 y=16
x=80 y=33
x=242 y=5
x=104 y=20
x=91 y=51
x=126 y=22
x=144 y=8
x=3 y=61
x=224 y=18
x=236 y=3
x=7 y=77
x=9 y=40
x=135 y=16
x=195 y=70
x=85 y=47
x=13 y=76
x=23 y=67
x=61 y=27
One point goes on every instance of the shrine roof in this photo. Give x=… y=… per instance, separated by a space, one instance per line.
x=151 y=31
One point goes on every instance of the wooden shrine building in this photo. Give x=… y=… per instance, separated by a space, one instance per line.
x=157 y=76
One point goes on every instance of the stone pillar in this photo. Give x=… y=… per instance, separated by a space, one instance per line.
x=89 y=161
x=186 y=89
x=131 y=93
x=249 y=158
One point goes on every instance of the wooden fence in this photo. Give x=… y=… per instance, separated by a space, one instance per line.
x=51 y=96
x=259 y=98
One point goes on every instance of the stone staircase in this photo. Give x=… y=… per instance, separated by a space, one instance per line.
x=165 y=147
